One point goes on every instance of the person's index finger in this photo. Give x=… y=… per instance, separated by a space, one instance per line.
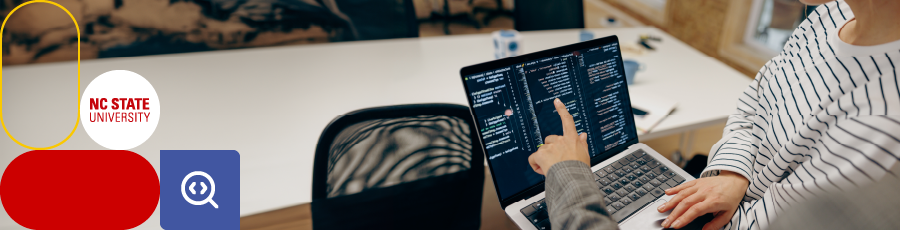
x=680 y=187
x=568 y=123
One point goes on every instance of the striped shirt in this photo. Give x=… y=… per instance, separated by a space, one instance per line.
x=822 y=116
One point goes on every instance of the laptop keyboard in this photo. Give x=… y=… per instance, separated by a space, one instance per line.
x=628 y=185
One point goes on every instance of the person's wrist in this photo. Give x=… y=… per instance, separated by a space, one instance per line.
x=578 y=160
x=737 y=179
x=587 y=162
x=731 y=174
x=549 y=168
x=567 y=160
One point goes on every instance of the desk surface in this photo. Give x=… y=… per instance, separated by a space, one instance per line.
x=270 y=104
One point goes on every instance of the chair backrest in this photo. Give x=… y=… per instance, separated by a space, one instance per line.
x=548 y=15
x=380 y=19
x=399 y=167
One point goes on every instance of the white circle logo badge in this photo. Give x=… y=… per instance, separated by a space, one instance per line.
x=119 y=110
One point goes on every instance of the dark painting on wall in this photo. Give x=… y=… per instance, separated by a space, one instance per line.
x=121 y=28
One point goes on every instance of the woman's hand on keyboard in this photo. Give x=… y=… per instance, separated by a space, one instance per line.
x=569 y=146
x=719 y=195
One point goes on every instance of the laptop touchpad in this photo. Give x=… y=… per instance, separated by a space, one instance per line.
x=647 y=219
x=651 y=219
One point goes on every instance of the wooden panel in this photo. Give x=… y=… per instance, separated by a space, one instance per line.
x=698 y=23
x=702 y=24
x=294 y=217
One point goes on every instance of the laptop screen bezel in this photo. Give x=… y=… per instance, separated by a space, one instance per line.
x=506 y=62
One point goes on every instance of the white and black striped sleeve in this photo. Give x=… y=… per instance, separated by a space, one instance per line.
x=860 y=150
x=735 y=151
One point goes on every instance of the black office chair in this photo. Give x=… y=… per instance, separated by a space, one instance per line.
x=399 y=167
x=548 y=15
x=378 y=19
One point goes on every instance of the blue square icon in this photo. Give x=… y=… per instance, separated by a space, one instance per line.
x=200 y=189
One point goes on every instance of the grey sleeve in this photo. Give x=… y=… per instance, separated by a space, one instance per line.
x=574 y=198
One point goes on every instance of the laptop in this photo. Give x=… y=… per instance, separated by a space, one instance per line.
x=511 y=101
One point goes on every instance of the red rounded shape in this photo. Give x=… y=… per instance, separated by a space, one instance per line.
x=79 y=189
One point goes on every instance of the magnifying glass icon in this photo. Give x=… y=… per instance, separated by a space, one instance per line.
x=212 y=185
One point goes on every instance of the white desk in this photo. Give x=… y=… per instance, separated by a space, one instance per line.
x=271 y=104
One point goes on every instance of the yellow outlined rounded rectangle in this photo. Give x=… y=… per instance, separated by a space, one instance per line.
x=77 y=98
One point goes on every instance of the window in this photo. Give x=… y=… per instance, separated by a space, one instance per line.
x=756 y=30
x=772 y=22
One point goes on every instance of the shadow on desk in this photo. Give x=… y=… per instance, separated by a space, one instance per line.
x=300 y=216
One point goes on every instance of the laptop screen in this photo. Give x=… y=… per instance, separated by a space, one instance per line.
x=513 y=106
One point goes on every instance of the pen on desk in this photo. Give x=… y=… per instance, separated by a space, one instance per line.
x=644 y=43
x=646 y=37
